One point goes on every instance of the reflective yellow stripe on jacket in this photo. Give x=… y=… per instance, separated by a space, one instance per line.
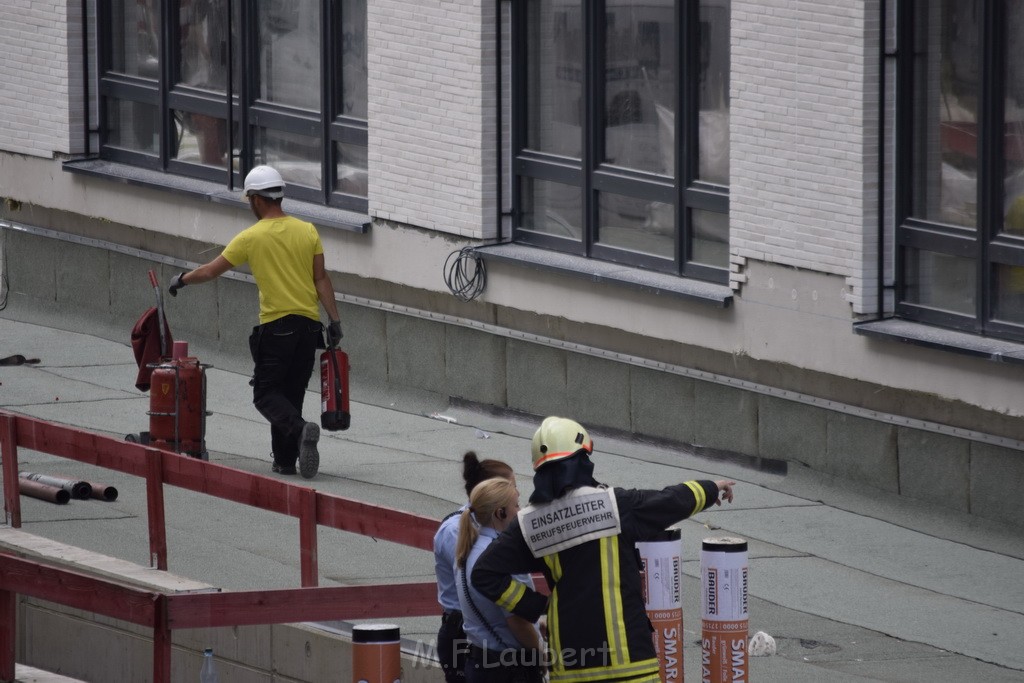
x=554 y=634
x=637 y=672
x=619 y=664
x=615 y=625
x=698 y=495
x=512 y=595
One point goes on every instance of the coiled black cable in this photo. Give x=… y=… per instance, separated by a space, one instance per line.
x=465 y=274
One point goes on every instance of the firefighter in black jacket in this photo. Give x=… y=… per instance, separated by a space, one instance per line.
x=582 y=536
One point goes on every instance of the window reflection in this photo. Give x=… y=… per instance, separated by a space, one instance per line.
x=133 y=126
x=621 y=147
x=290 y=52
x=552 y=208
x=709 y=244
x=183 y=120
x=135 y=38
x=353 y=55
x=637 y=225
x=939 y=281
x=713 y=124
x=352 y=178
x=554 y=65
x=296 y=157
x=201 y=139
x=640 y=85
x=203 y=43
x=1008 y=303
x=947 y=77
x=1013 y=140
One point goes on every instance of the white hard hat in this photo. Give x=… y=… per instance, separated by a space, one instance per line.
x=264 y=181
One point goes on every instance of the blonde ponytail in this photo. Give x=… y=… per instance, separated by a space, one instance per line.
x=486 y=498
x=467 y=537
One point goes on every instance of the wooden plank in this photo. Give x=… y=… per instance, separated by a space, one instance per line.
x=77 y=590
x=161 y=643
x=28 y=674
x=9 y=452
x=30 y=546
x=376 y=521
x=8 y=634
x=228 y=483
x=80 y=445
x=309 y=561
x=291 y=605
x=232 y=484
x=155 y=508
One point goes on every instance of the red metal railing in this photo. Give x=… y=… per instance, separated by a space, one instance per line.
x=166 y=612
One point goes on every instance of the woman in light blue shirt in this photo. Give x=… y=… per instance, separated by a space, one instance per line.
x=451 y=645
x=503 y=648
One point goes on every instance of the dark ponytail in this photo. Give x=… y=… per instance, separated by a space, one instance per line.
x=475 y=470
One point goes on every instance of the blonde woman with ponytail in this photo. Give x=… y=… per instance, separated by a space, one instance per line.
x=503 y=648
x=451 y=639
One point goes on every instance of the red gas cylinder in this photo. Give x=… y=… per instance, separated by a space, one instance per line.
x=177 y=406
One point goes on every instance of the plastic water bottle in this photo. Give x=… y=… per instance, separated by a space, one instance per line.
x=208 y=674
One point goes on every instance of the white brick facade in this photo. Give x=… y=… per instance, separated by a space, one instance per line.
x=432 y=95
x=804 y=97
x=35 y=94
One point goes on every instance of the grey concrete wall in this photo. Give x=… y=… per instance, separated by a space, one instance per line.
x=89 y=289
x=86 y=646
x=89 y=647
x=662 y=405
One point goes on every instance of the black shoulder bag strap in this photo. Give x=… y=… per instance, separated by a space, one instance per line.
x=476 y=611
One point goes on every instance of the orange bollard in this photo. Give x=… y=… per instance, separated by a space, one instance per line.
x=661 y=575
x=725 y=620
x=376 y=654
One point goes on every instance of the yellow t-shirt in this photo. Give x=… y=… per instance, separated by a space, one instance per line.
x=280 y=254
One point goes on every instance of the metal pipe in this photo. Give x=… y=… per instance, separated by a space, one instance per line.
x=76 y=487
x=35 y=489
x=103 y=491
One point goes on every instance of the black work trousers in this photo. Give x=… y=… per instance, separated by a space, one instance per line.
x=452 y=647
x=284 y=352
x=504 y=666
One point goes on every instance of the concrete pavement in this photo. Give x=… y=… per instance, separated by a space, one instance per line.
x=854 y=585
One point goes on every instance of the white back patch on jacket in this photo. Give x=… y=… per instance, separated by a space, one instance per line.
x=582 y=515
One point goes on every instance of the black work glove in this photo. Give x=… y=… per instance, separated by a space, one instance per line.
x=176 y=283
x=333 y=334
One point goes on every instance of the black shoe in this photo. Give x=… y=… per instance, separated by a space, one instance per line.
x=282 y=469
x=309 y=456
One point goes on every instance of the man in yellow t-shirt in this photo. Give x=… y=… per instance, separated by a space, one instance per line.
x=286 y=258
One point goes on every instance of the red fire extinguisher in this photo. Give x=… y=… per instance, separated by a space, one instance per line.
x=334 y=413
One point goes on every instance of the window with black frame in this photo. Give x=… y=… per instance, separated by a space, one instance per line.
x=960 y=165
x=621 y=133
x=290 y=76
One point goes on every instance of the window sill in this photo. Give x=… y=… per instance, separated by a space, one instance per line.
x=322 y=216
x=600 y=271
x=996 y=350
